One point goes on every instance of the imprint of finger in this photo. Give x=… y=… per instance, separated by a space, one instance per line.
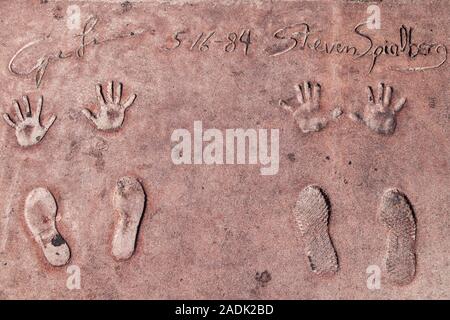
x=98 y=91
x=50 y=122
x=370 y=97
x=17 y=108
x=39 y=107
x=316 y=95
x=387 y=96
x=285 y=106
x=129 y=101
x=299 y=93
x=380 y=92
x=400 y=104
x=307 y=88
x=88 y=114
x=355 y=117
x=8 y=120
x=110 y=91
x=118 y=93
x=26 y=101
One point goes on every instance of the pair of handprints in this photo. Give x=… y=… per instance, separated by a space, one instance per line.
x=29 y=130
x=379 y=115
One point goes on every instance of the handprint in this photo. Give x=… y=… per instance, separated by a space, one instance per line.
x=112 y=111
x=378 y=115
x=308 y=96
x=29 y=130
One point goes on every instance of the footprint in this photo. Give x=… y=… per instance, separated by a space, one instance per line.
x=40 y=216
x=129 y=202
x=312 y=213
x=397 y=215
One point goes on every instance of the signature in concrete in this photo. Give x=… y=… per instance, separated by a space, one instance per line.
x=300 y=35
x=87 y=38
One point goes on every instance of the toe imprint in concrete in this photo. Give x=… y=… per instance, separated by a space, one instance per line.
x=312 y=214
x=398 y=217
x=129 y=203
x=40 y=217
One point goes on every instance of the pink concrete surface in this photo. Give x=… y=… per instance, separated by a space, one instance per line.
x=221 y=231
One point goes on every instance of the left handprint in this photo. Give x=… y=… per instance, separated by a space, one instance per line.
x=29 y=130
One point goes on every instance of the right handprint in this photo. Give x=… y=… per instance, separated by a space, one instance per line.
x=378 y=114
x=112 y=109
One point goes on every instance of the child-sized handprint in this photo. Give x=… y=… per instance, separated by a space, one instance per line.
x=29 y=130
x=308 y=97
x=112 y=110
x=378 y=114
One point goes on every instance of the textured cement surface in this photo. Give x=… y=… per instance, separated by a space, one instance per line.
x=221 y=231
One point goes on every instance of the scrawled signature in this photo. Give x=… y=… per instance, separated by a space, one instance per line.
x=87 y=37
